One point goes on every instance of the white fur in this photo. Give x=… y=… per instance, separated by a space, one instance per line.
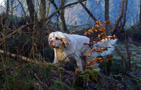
x=74 y=46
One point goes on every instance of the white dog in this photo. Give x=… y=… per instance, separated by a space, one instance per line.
x=74 y=46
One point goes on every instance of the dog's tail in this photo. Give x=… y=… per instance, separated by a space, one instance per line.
x=110 y=43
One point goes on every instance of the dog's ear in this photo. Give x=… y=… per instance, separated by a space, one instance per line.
x=65 y=39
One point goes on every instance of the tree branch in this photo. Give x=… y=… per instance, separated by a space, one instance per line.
x=120 y=16
x=123 y=58
x=18 y=56
x=31 y=8
x=22 y=7
x=54 y=4
x=87 y=10
x=37 y=22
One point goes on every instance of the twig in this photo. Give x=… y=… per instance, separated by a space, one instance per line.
x=119 y=53
x=40 y=80
x=87 y=10
x=19 y=56
x=127 y=50
x=39 y=22
x=11 y=34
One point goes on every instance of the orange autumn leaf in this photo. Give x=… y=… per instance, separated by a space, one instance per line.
x=101 y=25
x=91 y=66
x=104 y=37
x=109 y=56
x=102 y=29
x=91 y=51
x=90 y=31
x=88 y=63
x=101 y=41
x=114 y=35
x=107 y=22
x=96 y=25
x=85 y=34
x=93 y=28
x=94 y=42
x=98 y=22
x=99 y=35
x=93 y=60
x=102 y=34
x=99 y=58
x=102 y=48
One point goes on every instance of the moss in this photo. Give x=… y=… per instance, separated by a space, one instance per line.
x=117 y=77
x=61 y=69
x=79 y=81
x=58 y=85
x=54 y=66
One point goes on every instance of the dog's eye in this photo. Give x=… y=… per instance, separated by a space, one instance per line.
x=57 y=38
x=50 y=38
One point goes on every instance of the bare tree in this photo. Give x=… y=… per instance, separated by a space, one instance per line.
x=64 y=26
x=42 y=9
x=120 y=16
x=107 y=16
x=61 y=14
x=140 y=13
x=124 y=17
x=6 y=24
x=7 y=8
x=22 y=7
x=31 y=9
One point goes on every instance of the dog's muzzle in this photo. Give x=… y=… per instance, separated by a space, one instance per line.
x=51 y=44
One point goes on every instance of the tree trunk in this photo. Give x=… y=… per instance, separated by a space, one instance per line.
x=119 y=18
x=124 y=17
x=107 y=16
x=7 y=8
x=42 y=9
x=6 y=24
x=31 y=9
x=61 y=14
x=22 y=7
x=140 y=13
x=64 y=27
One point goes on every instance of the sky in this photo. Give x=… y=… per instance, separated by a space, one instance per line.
x=97 y=8
x=76 y=15
x=1 y=2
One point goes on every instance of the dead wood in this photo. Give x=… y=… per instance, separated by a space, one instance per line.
x=19 y=56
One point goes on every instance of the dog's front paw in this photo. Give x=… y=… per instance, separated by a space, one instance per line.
x=55 y=62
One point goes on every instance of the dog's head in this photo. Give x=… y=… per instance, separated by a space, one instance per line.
x=58 y=39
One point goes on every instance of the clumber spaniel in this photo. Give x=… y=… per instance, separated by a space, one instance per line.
x=67 y=46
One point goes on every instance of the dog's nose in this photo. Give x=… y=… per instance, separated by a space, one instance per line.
x=51 y=42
